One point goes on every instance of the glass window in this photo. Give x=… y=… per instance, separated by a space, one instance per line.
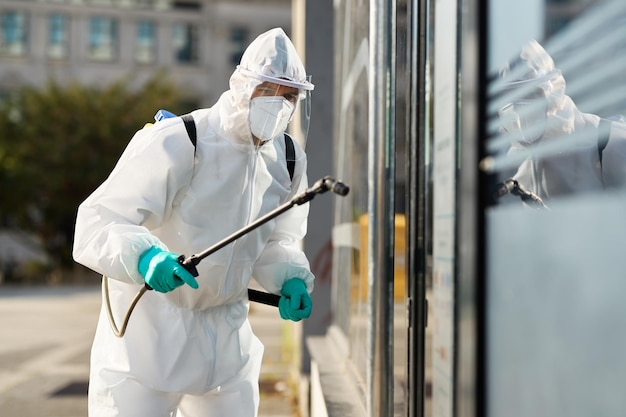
x=555 y=267
x=57 y=36
x=239 y=41
x=188 y=5
x=351 y=276
x=144 y=3
x=14 y=33
x=145 y=43
x=352 y=312
x=186 y=43
x=102 y=38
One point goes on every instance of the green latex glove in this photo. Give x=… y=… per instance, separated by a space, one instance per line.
x=162 y=272
x=295 y=303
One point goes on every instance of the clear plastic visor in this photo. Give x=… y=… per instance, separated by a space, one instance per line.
x=276 y=109
x=304 y=85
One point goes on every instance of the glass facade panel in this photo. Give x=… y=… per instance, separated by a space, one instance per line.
x=103 y=38
x=352 y=312
x=557 y=159
x=352 y=129
x=14 y=32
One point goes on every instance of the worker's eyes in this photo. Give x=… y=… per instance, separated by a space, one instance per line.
x=292 y=98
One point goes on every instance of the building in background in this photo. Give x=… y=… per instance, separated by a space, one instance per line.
x=97 y=42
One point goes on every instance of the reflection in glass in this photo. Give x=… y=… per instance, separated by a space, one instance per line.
x=555 y=312
x=560 y=138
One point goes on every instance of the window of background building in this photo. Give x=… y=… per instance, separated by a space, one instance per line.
x=186 y=43
x=14 y=33
x=189 y=5
x=145 y=43
x=57 y=36
x=150 y=4
x=239 y=41
x=102 y=38
x=144 y=3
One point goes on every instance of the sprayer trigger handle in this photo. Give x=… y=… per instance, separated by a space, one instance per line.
x=188 y=265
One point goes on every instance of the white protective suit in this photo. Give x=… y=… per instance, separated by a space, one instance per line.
x=561 y=147
x=193 y=349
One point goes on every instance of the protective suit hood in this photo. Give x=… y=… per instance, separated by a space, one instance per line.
x=270 y=57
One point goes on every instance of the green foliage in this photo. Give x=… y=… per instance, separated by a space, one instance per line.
x=57 y=144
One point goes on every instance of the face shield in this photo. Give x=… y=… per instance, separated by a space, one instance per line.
x=278 y=103
x=276 y=87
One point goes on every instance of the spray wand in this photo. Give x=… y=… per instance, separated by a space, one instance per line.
x=189 y=263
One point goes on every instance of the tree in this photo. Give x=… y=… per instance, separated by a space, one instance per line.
x=57 y=144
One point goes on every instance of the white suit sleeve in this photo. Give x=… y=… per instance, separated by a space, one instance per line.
x=113 y=224
x=283 y=258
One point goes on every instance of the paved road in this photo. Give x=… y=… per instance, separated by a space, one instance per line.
x=45 y=338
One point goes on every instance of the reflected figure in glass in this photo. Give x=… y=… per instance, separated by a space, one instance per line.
x=561 y=150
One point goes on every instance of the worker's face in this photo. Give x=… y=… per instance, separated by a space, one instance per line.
x=271 y=108
x=270 y=89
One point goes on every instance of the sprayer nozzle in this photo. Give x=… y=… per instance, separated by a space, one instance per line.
x=336 y=187
x=341 y=189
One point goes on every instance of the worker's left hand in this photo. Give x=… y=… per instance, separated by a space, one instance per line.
x=295 y=303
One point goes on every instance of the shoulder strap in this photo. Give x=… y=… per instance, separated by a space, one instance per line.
x=290 y=155
x=604 y=131
x=290 y=151
x=190 y=126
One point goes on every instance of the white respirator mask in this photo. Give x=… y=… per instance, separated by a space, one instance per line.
x=269 y=116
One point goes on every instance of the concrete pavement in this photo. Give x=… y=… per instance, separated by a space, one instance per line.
x=45 y=338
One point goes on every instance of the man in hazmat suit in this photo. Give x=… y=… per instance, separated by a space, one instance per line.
x=562 y=150
x=189 y=349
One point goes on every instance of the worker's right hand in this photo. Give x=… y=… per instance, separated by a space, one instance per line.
x=295 y=302
x=162 y=271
